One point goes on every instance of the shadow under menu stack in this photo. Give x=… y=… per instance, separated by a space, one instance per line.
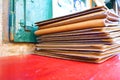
x=92 y=35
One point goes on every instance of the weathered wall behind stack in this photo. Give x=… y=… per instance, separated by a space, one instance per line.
x=10 y=49
x=0 y=21
x=7 y=48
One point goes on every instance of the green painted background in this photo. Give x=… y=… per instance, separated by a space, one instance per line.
x=23 y=15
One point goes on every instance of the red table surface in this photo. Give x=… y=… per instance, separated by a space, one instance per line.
x=34 y=67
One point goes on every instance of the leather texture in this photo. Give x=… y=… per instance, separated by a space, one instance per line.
x=91 y=36
x=86 y=19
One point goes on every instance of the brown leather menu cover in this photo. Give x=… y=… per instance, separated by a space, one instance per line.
x=97 y=15
x=76 y=26
x=92 y=16
x=94 y=59
x=86 y=12
x=70 y=27
x=75 y=58
x=86 y=41
x=92 y=20
x=73 y=47
x=96 y=54
x=84 y=31
x=89 y=36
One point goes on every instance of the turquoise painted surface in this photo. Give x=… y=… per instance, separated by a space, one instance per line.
x=11 y=17
x=27 y=12
x=110 y=4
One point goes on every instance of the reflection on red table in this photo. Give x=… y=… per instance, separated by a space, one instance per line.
x=34 y=67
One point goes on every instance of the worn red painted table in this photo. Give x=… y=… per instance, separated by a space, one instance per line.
x=33 y=67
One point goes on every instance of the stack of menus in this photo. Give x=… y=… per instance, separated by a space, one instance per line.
x=92 y=35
